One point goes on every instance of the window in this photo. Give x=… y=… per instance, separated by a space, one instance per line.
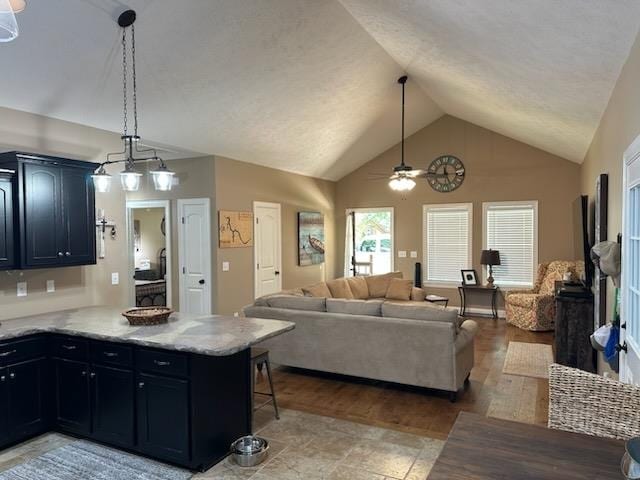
x=447 y=242
x=512 y=229
x=370 y=230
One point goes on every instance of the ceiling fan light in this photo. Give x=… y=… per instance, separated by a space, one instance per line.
x=102 y=180
x=402 y=184
x=130 y=179
x=8 y=24
x=162 y=178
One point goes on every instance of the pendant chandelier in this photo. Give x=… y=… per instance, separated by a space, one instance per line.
x=8 y=23
x=132 y=153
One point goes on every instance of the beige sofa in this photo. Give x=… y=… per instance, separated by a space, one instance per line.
x=406 y=341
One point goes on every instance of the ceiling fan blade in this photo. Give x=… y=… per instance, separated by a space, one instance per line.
x=415 y=172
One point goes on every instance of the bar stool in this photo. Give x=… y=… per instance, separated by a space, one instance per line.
x=260 y=357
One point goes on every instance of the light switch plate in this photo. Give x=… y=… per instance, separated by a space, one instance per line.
x=51 y=286
x=402 y=253
x=414 y=254
x=225 y=266
x=22 y=289
x=115 y=278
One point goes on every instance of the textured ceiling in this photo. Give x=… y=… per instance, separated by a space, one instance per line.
x=539 y=71
x=292 y=84
x=310 y=85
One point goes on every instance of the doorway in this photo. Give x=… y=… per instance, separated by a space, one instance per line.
x=194 y=246
x=630 y=291
x=369 y=241
x=149 y=235
x=267 y=248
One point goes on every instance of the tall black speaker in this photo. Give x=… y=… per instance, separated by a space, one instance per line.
x=418 y=275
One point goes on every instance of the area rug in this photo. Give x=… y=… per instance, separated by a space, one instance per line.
x=83 y=460
x=528 y=359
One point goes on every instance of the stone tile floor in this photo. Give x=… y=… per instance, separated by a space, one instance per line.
x=303 y=446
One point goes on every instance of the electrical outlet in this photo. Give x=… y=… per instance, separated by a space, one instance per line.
x=22 y=289
x=414 y=254
x=225 y=266
x=51 y=286
x=402 y=253
x=115 y=278
x=236 y=314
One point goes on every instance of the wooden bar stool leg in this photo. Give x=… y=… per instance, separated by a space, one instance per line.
x=273 y=392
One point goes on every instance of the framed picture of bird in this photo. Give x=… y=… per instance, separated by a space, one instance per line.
x=310 y=238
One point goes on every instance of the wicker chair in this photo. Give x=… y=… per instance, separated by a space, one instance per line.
x=535 y=309
x=586 y=403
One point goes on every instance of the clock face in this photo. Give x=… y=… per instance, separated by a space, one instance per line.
x=445 y=173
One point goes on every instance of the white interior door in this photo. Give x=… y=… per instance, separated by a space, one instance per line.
x=267 y=248
x=630 y=308
x=194 y=240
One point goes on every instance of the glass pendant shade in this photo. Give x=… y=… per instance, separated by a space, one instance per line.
x=130 y=179
x=162 y=178
x=102 y=181
x=402 y=184
x=8 y=23
x=17 y=5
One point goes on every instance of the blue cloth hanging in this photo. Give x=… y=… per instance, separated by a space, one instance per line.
x=610 y=351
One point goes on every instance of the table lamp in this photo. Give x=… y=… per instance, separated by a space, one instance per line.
x=491 y=258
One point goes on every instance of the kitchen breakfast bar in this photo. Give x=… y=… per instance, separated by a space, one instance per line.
x=178 y=392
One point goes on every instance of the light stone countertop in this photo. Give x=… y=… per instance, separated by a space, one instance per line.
x=214 y=335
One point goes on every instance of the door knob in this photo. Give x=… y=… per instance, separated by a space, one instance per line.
x=201 y=282
x=277 y=272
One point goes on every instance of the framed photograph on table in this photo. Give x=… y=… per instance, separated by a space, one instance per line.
x=469 y=277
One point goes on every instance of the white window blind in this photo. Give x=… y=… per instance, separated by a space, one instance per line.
x=512 y=229
x=447 y=242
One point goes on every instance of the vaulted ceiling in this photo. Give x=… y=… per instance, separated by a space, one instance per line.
x=310 y=85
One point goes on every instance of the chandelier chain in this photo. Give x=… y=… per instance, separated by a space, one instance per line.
x=124 y=80
x=133 y=73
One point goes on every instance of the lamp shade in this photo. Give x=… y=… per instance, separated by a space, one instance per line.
x=8 y=24
x=490 y=257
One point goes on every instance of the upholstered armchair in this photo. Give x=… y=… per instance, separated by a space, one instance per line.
x=535 y=309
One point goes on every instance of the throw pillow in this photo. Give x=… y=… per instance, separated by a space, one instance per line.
x=379 y=284
x=418 y=294
x=359 y=288
x=317 y=290
x=399 y=289
x=339 y=288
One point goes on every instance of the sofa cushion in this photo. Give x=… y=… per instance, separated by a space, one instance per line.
x=339 y=288
x=418 y=294
x=379 y=284
x=359 y=288
x=355 y=307
x=399 y=289
x=317 y=290
x=263 y=301
x=419 y=311
x=296 y=302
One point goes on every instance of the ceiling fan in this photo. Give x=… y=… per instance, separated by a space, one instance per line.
x=402 y=178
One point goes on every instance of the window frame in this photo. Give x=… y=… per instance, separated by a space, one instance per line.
x=391 y=210
x=532 y=203
x=425 y=245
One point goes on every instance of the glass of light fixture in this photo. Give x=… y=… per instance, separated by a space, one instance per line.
x=130 y=178
x=102 y=180
x=162 y=177
x=402 y=184
x=8 y=23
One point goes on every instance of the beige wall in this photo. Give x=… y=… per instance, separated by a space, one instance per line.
x=75 y=286
x=196 y=179
x=619 y=126
x=497 y=169
x=238 y=185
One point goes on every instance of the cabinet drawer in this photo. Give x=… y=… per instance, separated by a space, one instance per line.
x=70 y=347
x=161 y=361
x=112 y=353
x=23 y=349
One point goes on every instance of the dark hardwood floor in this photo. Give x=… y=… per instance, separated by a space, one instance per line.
x=421 y=411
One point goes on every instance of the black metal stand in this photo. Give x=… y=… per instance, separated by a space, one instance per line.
x=485 y=290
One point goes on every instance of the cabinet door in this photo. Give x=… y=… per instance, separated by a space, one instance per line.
x=26 y=399
x=6 y=224
x=79 y=238
x=113 y=400
x=163 y=417
x=72 y=411
x=42 y=215
x=4 y=426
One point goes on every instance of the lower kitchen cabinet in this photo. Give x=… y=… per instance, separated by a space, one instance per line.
x=112 y=405
x=163 y=417
x=4 y=410
x=26 y=399
x=73 y=406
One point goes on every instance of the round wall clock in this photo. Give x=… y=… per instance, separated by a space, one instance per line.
x=445 y=173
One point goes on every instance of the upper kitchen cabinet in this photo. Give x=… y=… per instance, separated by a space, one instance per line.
x=54 y=211
x=7 y=257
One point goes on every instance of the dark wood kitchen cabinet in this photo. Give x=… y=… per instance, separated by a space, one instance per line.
x=53 y=202
x=72 y=400
x=7 y=257
x=113 y=405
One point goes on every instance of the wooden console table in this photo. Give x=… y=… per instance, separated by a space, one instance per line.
x=480 y=448
x=463 y=290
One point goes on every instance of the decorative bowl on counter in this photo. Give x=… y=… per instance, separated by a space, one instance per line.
x=141 y=316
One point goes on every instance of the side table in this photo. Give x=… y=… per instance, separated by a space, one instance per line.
x=463 y=290
x=437 y=299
